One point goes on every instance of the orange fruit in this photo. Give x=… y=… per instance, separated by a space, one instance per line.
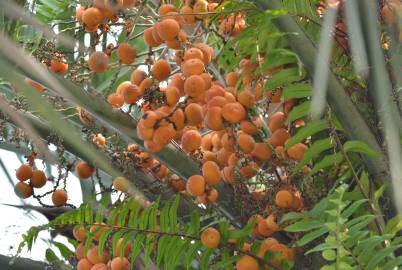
x=94 y=258
x=168 y=29
x=97 y=229
x=213 y=119
x=266 y=245
x=207 y=52
x=79 y=251
x=84 y=170
x=119 y=263
x=263 y=228
x=271 y=223
x=121 y=184
x=79 y=234
x=92 y=16
x=166 y=8
x=247 y=262
x=223 y=156
x=126 y=53
x=98 y=62
x=79 y=12
x=228 y=142
x=195 y=185
x=211 y=172
x=177 y=80
x=127 y=248
x=24 y=172
x=58 y=66
x=233 y=112
x=228 y=174
x=188 y=18
x=210 y=238
x=138 y=76
x=193 y=53
x=277 y=121
x=191 y=140
x=35 y=85
x=194 y=86
x=144 y=133
x=172 y=95
x=161 y=70
x=164 y=134
x=99 y=266
x=194 y=114
x=116 y=100
x=246 y=143
x=279 y=137
x=38 y=179
x=193 y=66
x=232 y=78
x=246 y=98
x=297 y=151
x=284 y=199
x=59 y=197
x=233 y=159
x=248 y=127
x=23 y=190
x=261 y=151
x=149 y=38
x=84 y=264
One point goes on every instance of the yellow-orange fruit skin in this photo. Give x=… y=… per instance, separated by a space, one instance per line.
x=138 y=76
x=161 y=70
x=246 y=143
x=195 y=185
x=59 y=197
x=277 y=121
x=79 y=12
x=246 y=98
x=297 y=151
x=84 y=170
x=210 y=238
x=116 y=100
x=35 y=85
x=92 y=16
x=79 y=251
x=79 y=234
x=199 y=7
x=98 y=62
x=279 y=137
x=284 y=199
x=193 y=53
x=127 y=248
x=193 y=66
x=38 y=179
x=207 y=52
x=166 y=8
x=188 y=18
x=99 y=266
x=120 y=264
x=126 y=53
x=94 y=258
x=248 y=127
x=213 y=119
x=177 y=81
x=84 y=264
x=228 y=174
x=24 y=172
x=172 y=95
x=194 y=86
x=149 y=39
x=247 y=263
x=58 y=66
x=266 y=246
x=164 y=134
x=262 y=151
x=232 y=78
x=23 y=190
x=194 y=114
x=191 y=140
x=233 y=112
x=211 y=172
x=168 y=29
